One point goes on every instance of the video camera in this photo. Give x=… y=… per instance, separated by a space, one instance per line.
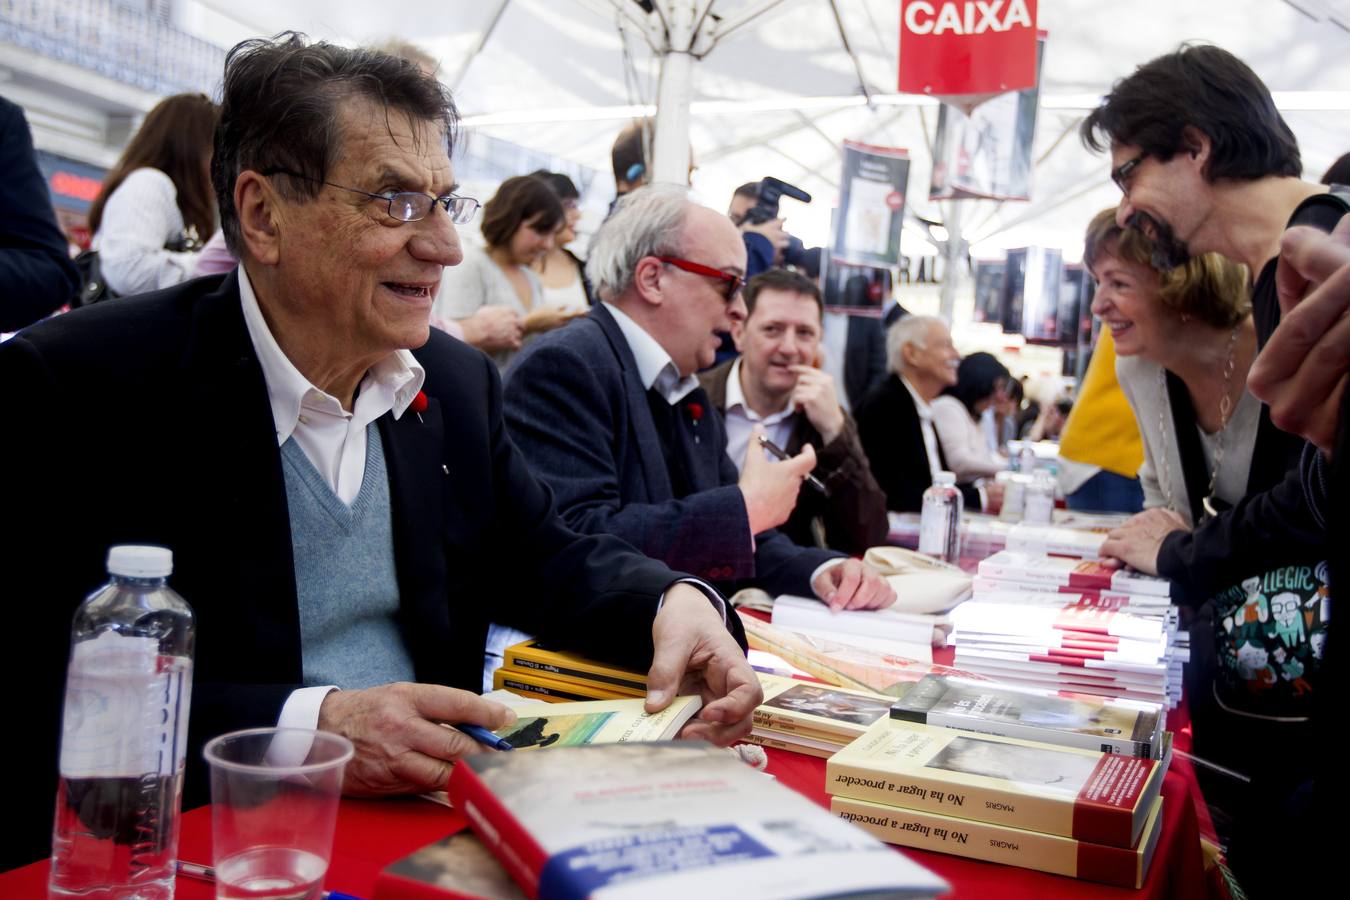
x=770 y=190
x=766 y=209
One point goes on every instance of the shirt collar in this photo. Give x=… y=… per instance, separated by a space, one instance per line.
x=736 y=398
x=399 y=374
x=920 y=405
x=655 y=367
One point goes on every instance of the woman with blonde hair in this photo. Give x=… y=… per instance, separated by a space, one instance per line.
x=1224 y=517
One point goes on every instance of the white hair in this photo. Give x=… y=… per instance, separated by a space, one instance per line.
x=909 y=331
x=647 y=222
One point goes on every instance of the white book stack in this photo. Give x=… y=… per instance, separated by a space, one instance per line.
x=1063 y=624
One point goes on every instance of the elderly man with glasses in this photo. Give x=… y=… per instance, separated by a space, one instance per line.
x=609 y=413
x=335 y=482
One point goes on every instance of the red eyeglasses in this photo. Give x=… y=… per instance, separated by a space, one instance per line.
x=731 y=284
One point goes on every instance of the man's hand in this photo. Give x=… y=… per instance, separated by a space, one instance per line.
x=770 y=488
x=1137 y=542
x=815 y=396
x=1302 y=371
x=773 y=230
x=852 y=584
x=695 y=654
x=400 y=747
x=547 y=318
x=493 y=328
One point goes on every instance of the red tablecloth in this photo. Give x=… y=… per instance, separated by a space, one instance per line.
x=373 y=833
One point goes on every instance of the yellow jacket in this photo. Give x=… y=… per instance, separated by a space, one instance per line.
x=1101 y=430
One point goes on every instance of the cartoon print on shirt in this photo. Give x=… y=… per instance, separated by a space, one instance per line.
x=1287 y=619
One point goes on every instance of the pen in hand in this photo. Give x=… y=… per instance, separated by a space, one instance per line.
x=780 y=453
x=484 y=737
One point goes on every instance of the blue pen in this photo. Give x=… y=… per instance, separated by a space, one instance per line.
x=485 y=737
x=206 y=873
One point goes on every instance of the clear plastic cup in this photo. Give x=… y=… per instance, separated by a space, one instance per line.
x=274 y=802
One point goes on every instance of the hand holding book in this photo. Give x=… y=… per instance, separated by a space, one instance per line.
x=695 y=654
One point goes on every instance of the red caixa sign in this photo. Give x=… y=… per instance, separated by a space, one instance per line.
x=967 y=47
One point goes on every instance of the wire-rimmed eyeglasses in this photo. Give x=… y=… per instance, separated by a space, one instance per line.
x=405 y=206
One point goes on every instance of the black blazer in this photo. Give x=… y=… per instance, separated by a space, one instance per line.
x=147 y=419
x=36 y=274
x=579 y=412
x=892 y=437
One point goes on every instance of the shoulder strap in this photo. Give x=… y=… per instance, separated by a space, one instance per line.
x=1194 y=469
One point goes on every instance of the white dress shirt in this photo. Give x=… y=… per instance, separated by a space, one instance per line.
x=930 y=442
x=333 y=439
x=740 y=419
x=655 y=367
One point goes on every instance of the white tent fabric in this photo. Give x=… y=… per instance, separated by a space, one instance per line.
x=779 y=95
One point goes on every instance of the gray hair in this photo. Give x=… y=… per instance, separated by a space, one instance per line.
x=909 y=331
x=647 y=222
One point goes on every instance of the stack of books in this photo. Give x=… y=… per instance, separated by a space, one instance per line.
x=1070 y=811
x=810 y=718
x=1062 y=624
x=905 y=634
x=534 y=670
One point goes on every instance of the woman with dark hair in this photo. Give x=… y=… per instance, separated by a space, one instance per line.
x=561 y=272
x=520 y=225
x=157 y=207
x=980 y=379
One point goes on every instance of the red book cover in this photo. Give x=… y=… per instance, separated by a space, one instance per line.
x=499 y=830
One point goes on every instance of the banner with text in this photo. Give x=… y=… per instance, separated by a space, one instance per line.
x=966 y=51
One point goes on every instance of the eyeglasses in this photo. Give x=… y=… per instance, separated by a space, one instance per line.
x=405 y=206
x=1124 y=173
x=731 y=284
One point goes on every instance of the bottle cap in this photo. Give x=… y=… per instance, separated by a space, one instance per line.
x=140 y=561
x=945 y=479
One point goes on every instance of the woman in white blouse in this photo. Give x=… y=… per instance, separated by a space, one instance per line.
x=561 y=272
x=520 y=224
x=980 y=378
x=157 y=207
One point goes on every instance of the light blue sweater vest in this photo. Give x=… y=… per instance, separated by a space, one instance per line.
x=344 y=574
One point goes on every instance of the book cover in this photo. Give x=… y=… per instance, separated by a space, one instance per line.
x=1029 y=619
x=596 y=722
x=1009 y=565
x=1084 y=794
x=819 y=709
x=667 y=820
x=457 y=867
x=991 y=590
x=1057 y=540
x=840 y=663
x=1070 y=720
x=538 y=687
x=562 y=666
x=1120 y=866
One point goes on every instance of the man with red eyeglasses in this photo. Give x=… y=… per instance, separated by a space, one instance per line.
x=608 y=412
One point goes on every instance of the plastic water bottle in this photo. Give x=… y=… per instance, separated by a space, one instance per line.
x=1039 y=506
x=1026 y=459
x=124 y=733
x=1014 y=496
x=940 y=521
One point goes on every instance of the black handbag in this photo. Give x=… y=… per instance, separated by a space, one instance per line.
x=94 y=287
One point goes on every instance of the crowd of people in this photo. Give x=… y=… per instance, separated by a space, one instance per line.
x=372 y=444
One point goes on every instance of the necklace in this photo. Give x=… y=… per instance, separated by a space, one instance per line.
x=1225 y=412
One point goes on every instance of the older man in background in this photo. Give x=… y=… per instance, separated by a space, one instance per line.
x=895 y=422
